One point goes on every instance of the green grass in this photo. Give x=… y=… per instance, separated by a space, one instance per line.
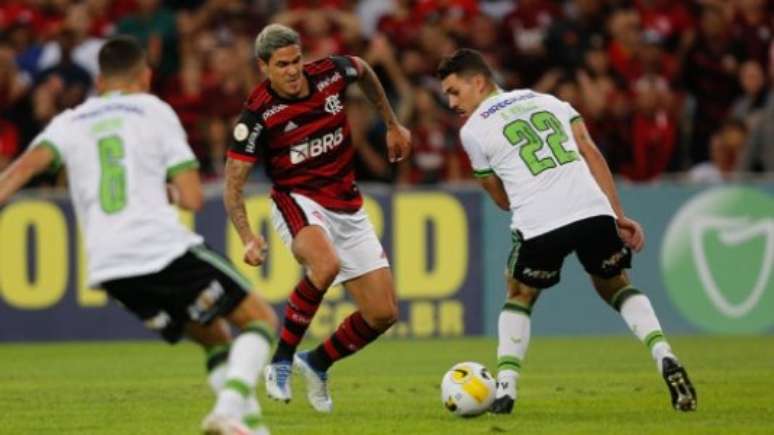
x=578 y=385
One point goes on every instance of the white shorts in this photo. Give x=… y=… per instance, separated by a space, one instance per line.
x=352 y=235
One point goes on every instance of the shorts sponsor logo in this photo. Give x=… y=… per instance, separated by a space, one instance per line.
x=717 y=260
x=539 y=274
x=201 y=308
x=316 y=146
x=158 y=322
x=328 y=81
x=277 y=108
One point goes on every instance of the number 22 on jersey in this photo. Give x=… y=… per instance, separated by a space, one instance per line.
x=526 y=136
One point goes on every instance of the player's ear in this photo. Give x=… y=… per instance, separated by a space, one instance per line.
x=263 y=66
x=146 y=77
x=100 y=83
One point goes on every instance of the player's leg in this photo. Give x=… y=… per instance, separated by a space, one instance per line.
x=298 y=220
x=215 y=339
x=367 y=278
x=532 y=265
x=605 y=258
x=513 y=333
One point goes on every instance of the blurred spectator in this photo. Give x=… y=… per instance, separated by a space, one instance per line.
x=154 y=26
x=368 y=137
x=725 y=147
x=749 y=106
x=654 y=132
x=709 y=75
x=667 y=20
x=84 y=47
x=752 y=29
x=324 y=31
x=759 y=153
x=75 y=80
x=568 y=39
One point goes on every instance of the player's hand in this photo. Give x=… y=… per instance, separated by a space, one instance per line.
x=398 y=143
x=255 y=251
x=631 y=233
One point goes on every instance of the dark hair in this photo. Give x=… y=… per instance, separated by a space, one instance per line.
x=465 y=62
x=119 y=56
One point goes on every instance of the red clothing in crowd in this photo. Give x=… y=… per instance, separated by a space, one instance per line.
x=654 y=140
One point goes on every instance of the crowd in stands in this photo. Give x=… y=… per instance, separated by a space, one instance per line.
x=680 y=87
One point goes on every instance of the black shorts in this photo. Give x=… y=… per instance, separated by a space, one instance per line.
x=537 y=262
x=196 y=287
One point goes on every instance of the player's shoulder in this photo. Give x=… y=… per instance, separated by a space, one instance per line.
x=331 y=64
x=259 y=97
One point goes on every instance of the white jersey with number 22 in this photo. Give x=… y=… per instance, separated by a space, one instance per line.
x=525 y=138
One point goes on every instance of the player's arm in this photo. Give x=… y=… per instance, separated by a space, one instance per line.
x=237 y=172
x=398 y=136
x=630 y=230
x=31 y=163
x=186 y=188
x=494 y=187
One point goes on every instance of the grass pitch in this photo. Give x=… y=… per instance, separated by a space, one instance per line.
x=578 y=385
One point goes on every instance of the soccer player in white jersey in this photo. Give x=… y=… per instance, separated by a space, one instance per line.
x=121 y=149
x=533 y=155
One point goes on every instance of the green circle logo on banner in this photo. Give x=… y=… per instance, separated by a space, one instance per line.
x=717 y=259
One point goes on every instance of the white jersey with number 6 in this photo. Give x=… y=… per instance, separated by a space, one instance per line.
x=526 y=139
x=119 y=151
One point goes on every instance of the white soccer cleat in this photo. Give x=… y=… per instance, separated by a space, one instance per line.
x=218 y=424
x=316 y=384
x=277 y=377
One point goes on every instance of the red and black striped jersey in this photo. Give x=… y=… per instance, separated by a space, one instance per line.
x=305 y=144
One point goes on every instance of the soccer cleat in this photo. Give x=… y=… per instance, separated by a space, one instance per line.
x=277 y=376
x=683 y=394
x=505 y=397
x=316 y=384
x=218 y=424
x=502 y=405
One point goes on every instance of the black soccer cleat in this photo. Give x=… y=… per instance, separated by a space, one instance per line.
x=502 y=405
x=683 y=394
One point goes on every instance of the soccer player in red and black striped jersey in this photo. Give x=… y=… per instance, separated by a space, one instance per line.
x=294 y=123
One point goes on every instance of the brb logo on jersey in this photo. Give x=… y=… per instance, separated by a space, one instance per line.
x=316 y=146
x=333 y=105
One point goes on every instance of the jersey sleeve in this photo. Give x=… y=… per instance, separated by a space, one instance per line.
x=246 y=137
x=348 y=66
x=478 y=159
x=176 y=153
x=53 y=137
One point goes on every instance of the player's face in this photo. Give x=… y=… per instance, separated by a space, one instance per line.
x=286 y=72
x=464 y=93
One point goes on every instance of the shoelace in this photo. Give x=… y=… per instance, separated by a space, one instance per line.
x=283 y=372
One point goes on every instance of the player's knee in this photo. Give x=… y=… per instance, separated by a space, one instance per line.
x=522 y=293
x=324 y=271
x=383 y=318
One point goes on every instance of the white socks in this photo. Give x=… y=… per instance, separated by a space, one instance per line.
x=637 y=312
x=249 y=353
x=513 y=333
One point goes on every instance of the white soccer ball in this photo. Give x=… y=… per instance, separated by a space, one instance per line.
x=468 y=389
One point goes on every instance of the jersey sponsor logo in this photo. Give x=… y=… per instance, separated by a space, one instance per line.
x=291 y=126
x=329 y=81
x=277 y=108
x=250 y=148
x=316 y=146
x=240 y=132
x=505 y=103
x=333 y=105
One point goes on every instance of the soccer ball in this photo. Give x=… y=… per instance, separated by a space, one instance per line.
x=468 y=389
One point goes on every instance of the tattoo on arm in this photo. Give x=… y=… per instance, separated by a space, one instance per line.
x=373 y=90
x=236 y=175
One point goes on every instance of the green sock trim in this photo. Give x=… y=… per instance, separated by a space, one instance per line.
x=518 y=307
x=509 y=363
x=653 y=338
x=216 y=355
x=263 y=329
x=238 y=386
x=253 y=420
x=622 y=295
